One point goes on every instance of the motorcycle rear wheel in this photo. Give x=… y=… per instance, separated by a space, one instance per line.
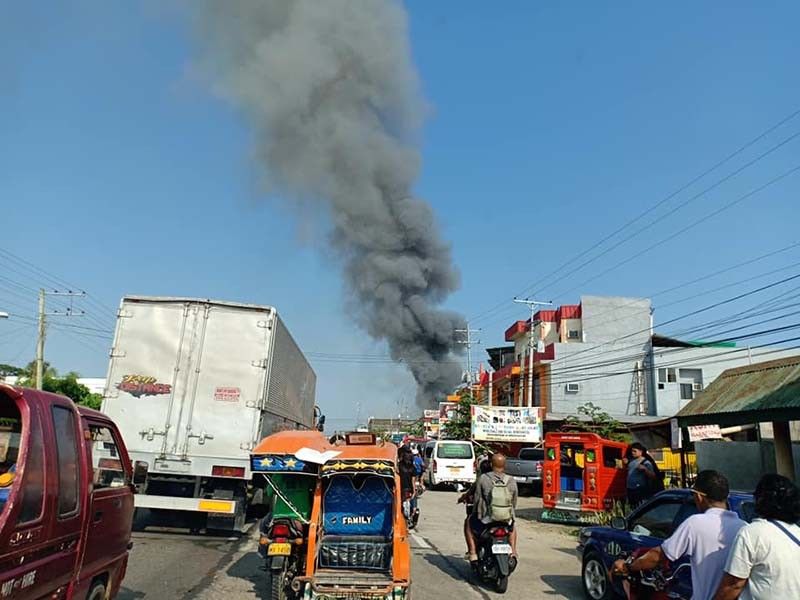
x=277 y=584
x=502 y=584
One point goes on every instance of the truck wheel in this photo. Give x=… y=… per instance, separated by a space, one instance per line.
x=97 y=591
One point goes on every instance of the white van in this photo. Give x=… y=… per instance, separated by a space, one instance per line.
x=449 y=462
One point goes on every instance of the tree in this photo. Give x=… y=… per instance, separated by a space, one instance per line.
x=10 y=370
x=67 y=385
x=460 y=428
x=595 y=420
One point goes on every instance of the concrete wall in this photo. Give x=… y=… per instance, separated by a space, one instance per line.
x=609 y=386
x=711 y=362
x=743 y=463
x=607 y=318
x=604 y=321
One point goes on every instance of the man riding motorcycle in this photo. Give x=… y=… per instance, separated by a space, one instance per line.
x=495 y=499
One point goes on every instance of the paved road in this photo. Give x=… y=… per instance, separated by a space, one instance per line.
x=177 y=565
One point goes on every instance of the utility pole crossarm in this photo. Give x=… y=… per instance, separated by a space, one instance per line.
x=532 y=304
x=468 y=343
x=42 y=326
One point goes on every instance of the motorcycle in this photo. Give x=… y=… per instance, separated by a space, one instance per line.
x=495 y=563
x=282 y=546
x=656 y=584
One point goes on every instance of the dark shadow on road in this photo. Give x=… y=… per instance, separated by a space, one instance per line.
x=250 y=568
x=126 y=594
x=568 y=586
x=529 y=514
x=454 y=567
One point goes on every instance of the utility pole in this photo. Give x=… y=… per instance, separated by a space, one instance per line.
x=42 y=330
x=532 y=304
x=468 y=343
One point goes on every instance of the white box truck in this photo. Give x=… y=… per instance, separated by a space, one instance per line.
x=194 y=384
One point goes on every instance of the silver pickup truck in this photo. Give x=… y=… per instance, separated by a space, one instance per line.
x=526 y=469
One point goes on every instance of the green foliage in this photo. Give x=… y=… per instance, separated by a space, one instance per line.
x=10 y=370
x=595 y=420
x=66 y=386
x=417 y=429
x=460 y=428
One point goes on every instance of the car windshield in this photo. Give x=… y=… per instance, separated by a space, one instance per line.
x=10 y=435
x=531 y=454
x=454 y=450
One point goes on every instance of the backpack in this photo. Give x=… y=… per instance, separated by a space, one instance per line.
x=419 y=465
x=500 y=507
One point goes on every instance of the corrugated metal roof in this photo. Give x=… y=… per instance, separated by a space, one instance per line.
x=766 y=386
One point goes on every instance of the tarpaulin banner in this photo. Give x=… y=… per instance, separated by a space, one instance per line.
x=506 y=424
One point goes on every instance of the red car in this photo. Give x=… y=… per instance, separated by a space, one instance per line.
x=66 y=499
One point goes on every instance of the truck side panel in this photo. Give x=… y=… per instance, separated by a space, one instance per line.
x=291 y=386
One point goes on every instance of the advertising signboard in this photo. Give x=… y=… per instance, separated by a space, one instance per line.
x=447 y=411
x=507 y=424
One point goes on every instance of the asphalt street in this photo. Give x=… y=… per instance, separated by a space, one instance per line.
x=174 y=564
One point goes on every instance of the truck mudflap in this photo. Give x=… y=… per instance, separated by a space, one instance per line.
x=206 y=505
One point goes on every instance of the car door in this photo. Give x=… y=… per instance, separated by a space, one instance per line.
x=654 y=522
x=111 y=498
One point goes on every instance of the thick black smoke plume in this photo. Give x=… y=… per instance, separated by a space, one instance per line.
x=329 y=88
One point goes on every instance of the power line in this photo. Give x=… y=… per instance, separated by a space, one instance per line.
x=682 y=205
x=669 y=197
x=685 y=284
x=692 y=225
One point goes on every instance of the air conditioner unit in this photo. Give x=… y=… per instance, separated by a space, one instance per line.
x=697 y=387
x=573 y=388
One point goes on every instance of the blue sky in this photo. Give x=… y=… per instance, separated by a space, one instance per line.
x=550 y=126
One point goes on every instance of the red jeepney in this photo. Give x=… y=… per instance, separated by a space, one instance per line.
x=582 y=472
x=66 y=499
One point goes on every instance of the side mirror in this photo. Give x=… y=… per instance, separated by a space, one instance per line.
x=321 y=423
x=619 y=523
x=139 y=472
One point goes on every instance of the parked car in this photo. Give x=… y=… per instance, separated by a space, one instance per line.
x=450 y=462
x=645 y=527
x=527 y=468
x=66 y=511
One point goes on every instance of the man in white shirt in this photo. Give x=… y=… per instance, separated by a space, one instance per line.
x=765 y=558
x=705 y=537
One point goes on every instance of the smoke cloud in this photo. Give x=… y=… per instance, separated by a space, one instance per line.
x=330 y=91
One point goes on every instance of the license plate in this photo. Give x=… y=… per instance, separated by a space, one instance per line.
x=279 y=550
x=522 y=479
x=571 y=500
x=501 y=548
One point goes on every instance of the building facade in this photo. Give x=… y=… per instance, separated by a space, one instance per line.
x=604 y=351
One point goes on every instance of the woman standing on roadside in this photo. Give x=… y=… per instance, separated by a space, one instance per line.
x=642 y=474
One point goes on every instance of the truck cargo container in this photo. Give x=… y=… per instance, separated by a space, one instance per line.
x=194 y=385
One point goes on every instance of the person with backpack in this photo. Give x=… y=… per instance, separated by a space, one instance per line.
x=763 y=561
x=495 y=502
